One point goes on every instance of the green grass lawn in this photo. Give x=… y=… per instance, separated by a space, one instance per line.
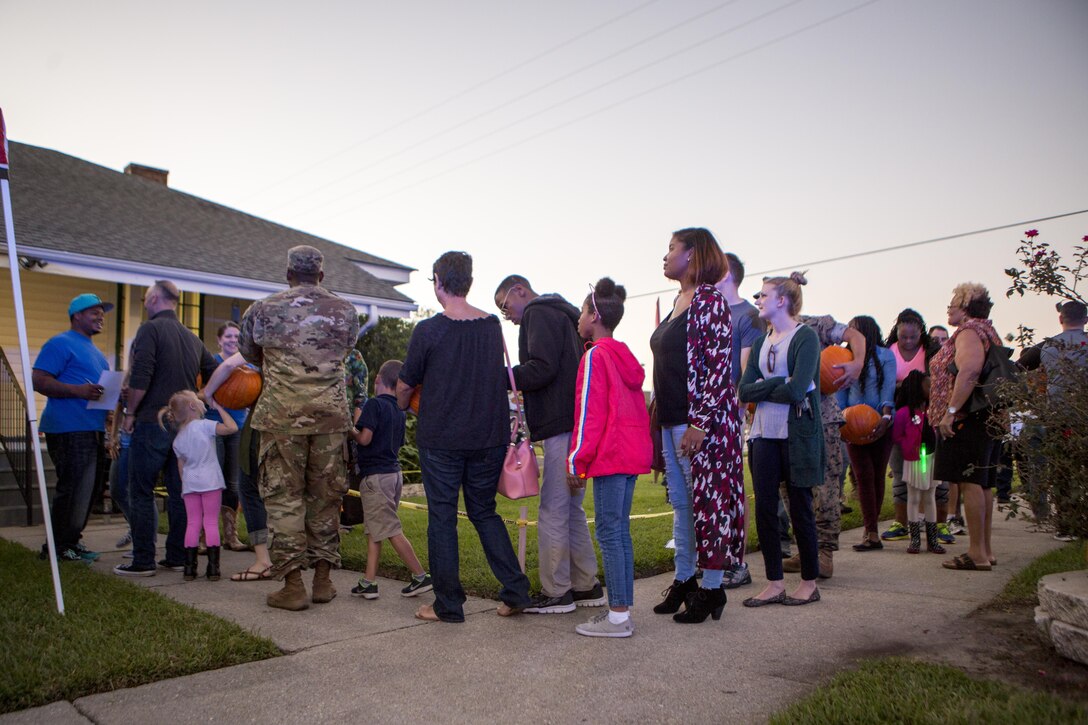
x=649 y=537
x=114 y=634
x=896 y=690
x=1023 y=588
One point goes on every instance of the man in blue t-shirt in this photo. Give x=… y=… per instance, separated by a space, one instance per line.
x=67 y=372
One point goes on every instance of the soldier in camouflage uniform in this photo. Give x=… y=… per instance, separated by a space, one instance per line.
x=825 y=501
x=299 y=338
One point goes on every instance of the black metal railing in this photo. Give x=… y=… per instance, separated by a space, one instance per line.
x=15 y=441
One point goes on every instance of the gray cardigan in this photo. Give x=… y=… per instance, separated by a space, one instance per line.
x=806 y=436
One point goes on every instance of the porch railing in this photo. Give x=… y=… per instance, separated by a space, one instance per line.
x=15 y=441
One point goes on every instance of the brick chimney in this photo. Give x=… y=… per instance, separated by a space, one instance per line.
x=157 y=176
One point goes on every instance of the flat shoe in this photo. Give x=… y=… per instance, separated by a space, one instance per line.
x=426 y=613
x=964 y=563
x=757 y=602
x=794 y=602
x=868 y=545
x=252 y=576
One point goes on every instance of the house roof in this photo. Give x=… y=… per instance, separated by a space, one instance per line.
x=70 y=205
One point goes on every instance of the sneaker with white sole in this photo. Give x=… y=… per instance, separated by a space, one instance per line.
x=956 y=526
x=417 y=586
x=543 y=604
x=737 y=577
x=86 y=553
x=594 y=597
x=125 y=540
x=133 y=570
x=601 y=626
x=365 y=589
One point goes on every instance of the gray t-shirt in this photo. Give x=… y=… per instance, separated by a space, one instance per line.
x=1071 y=345
x=747 y=327
x=771 y=420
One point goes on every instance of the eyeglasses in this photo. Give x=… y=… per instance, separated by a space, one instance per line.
x=593 y=299
x=502 y=305
x=772 y=357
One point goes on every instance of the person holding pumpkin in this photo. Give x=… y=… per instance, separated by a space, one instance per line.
x=227 y=445
x=701 y=430
x=869 y=459
x=783 y=379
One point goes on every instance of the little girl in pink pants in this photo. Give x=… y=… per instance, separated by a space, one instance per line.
x=202 y=480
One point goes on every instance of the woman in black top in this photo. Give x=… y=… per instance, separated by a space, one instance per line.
x=463 y=430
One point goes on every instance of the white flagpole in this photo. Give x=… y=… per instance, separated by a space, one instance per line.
x=24 y=352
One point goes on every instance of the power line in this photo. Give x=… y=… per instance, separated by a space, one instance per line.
x=535 y=114
x=608 y=107
x=458 y=95
x=882 y=250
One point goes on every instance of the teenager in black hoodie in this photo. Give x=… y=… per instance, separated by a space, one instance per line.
x=549 y=349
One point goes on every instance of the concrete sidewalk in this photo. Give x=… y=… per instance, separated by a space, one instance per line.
x=353 y=658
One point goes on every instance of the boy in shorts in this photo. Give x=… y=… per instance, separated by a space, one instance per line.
x=380 y=434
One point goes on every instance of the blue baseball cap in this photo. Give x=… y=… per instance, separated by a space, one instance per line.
x=86 y=301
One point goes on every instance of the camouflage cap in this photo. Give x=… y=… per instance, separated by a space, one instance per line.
x=304 y=259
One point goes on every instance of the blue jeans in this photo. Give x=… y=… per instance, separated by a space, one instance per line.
x=612 y=496
x=119 y=475
x=252 y=503
x=226 y=449
x=77 y=458
x=678 y=484
x=152 y=452
x=445 y=474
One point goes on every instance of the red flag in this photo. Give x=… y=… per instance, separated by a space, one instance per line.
x=3 y=147
x=657 y=313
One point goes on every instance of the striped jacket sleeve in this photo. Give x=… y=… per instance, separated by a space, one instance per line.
x=590 y=410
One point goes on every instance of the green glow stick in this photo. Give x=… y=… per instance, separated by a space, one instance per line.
x=923 y=458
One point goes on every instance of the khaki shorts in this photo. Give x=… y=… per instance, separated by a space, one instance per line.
x=380 y=494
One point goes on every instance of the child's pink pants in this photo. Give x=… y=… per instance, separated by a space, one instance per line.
x=202 y=508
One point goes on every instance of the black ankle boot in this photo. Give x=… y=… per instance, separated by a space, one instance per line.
x=189 y=572
x=675 y=596
x=700 y=604
x=213 y=563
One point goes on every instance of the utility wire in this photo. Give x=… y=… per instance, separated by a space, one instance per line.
x=882 y=250
x=608 y=107
x=570 y=99
x=506 y=104
x=456 y=96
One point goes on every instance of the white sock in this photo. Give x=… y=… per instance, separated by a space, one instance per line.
x=618 y=617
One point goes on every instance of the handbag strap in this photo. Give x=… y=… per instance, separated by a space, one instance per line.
x=517 y=398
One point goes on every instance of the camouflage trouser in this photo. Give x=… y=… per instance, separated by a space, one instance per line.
x=825 y=500
x=302 y=479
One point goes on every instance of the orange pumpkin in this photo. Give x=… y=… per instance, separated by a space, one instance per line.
x=413 y=402
x=831 y=356
x=861 y=421
x=240 y=390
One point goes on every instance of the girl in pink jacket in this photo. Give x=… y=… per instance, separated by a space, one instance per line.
x=610 y=444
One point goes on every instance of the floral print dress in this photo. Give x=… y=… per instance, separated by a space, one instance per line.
x=717 y=472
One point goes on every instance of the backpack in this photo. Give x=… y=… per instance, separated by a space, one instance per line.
x=998 y=368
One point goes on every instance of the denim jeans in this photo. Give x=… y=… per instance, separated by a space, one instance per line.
x=612 y=496
x=152 y=452
x=250 y=494
x=226 y=449
x=77 y=458
x=119 y=475
x=678 y=484
x=770 y=467
x=475 y=472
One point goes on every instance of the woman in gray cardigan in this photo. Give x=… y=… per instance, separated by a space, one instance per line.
x=783 y=379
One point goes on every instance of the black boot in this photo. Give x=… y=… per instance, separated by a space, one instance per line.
x=915 y=544
x=675 y=596
x=932 y=542
x=189 y=572
x=213 y=563
x=700 y=604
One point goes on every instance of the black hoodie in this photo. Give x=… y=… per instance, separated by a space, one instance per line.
x=549 y=349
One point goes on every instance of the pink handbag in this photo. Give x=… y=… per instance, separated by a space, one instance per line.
x=520 y=477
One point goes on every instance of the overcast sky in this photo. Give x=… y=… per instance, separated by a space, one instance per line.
x=567 y=140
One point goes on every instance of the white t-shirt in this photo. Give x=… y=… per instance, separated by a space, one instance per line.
x=195 y=448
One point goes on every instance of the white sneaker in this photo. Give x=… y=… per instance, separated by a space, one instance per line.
x=124 y=540
x=601 y=626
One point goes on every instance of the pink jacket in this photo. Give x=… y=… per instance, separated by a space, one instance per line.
x=611 y=424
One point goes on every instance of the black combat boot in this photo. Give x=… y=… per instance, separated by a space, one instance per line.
x=189 y=572
x=213 y=564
